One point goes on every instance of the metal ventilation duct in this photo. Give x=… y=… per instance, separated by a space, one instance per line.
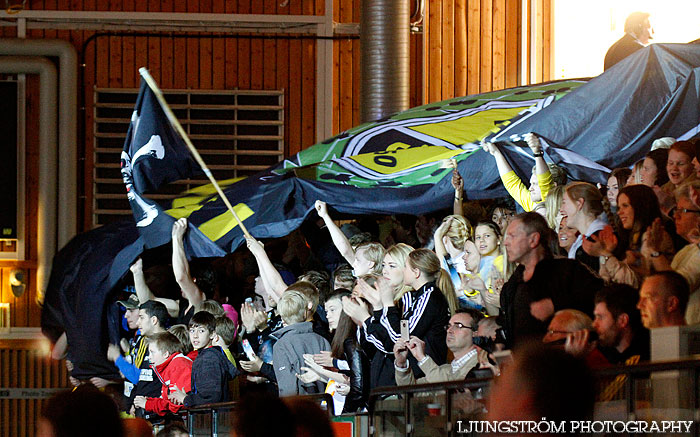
x=384 y=39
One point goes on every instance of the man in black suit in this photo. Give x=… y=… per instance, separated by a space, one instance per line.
x=638 y=32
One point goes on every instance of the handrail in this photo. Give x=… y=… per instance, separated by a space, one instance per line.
x=692 y=362
x=448 y=385
x=208 y=407
x=212 y=411
x=633 y=372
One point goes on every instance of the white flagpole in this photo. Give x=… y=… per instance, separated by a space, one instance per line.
x=178 y=127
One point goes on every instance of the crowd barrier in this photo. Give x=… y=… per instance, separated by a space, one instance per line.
x=649 y=392
x=657 y=393
x=214 y=420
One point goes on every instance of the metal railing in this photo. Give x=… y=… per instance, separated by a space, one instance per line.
x=425 y=409
x=647 y=392
x=217 y=419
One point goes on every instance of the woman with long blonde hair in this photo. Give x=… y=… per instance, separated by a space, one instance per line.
x=449 y=239
x=392 y=268
x=425 y=307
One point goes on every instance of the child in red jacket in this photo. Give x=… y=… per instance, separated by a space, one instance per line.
x=172 y=368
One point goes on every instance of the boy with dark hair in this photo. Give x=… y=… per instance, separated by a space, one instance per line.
x=172 y=369
x=211 y=370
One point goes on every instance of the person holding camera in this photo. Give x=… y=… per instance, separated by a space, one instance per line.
x=460 y=330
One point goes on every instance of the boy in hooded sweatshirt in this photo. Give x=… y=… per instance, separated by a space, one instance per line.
x=172 y=369
x=294 y=340
x=211 y=370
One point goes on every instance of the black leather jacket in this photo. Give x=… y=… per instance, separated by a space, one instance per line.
x=359 y=373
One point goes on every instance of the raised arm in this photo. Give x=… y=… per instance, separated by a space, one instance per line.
x=458 y=185
x=544 y=175
x=440 y=249
x=181 y=267
x=142 y=291
x=340 y=241
x=145 y=294
x=268 y=273
x=501 y=163
x=511 y=182
x=534 y=144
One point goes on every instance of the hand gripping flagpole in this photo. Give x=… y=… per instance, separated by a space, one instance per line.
x=178 y=127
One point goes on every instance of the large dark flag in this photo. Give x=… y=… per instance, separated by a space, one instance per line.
x=83 y=274
x=612 y=120
x=155 y=154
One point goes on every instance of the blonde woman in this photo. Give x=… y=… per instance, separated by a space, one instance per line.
x=449 y=238
x=471 y=290
x=552 y=206
x=393 y=266
x=425 y=307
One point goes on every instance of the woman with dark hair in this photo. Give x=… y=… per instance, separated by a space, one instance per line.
x=502 y=212
x=617 y=181
x=346 y=355
x=637 y=209
x=654 y=168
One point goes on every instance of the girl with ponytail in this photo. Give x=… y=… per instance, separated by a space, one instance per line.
x=582 y=204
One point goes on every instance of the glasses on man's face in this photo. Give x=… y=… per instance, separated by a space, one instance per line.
x=555 y=332
x=675 y=211
x=456 y=325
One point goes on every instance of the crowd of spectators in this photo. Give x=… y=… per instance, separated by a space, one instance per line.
x=346 y=305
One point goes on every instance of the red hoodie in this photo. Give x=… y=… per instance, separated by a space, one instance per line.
x=176 y=370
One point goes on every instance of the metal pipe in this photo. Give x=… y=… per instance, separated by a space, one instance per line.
x=46 y=216
x=67 y=122
x=385 y=43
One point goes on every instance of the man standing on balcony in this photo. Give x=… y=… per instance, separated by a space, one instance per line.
x=638 y=32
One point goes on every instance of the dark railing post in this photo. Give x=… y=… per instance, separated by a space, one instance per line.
x=628 y=397
x=695 y=402
x=448 y=411
x=190 y=423
x=407 y=415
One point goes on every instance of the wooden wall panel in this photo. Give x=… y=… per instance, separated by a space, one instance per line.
x=539 y=28
x=24 y=364
x=474 y=38
x=475 y=46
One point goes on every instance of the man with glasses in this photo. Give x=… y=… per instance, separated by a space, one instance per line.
x=686 y=262
x=568 y=327
x=461 y=329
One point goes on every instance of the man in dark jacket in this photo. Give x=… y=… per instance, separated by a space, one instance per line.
x=638 y=32
x=541 y=285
